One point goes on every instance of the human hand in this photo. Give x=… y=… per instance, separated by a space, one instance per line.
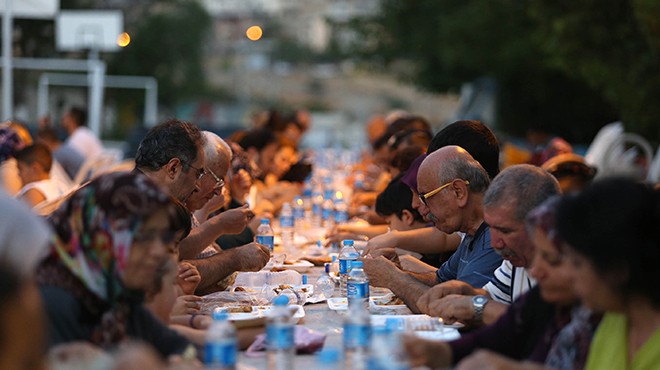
x=213 y=205
x=389 y=253
x=251 y=257
x=235 y=220
x=422 y=352
x=452 y=308
x=486 y=360
x=439 y=291
x=186 y=305
x=188 y=278
x=256 y=221
x=337 y=235
x=387 y=240
x=380 y=271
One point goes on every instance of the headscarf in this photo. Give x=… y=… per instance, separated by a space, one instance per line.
x=94 y=231
x=10 y=143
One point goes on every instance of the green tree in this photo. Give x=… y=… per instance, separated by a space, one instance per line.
x=452 y=41
x=168 y=43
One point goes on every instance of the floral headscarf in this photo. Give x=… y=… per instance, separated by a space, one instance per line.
x=94 y=231
x=10 y=143
x=94 y=228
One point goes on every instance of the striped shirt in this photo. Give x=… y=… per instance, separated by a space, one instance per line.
x=509 y=283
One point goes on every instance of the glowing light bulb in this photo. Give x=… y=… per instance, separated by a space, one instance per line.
x=123 y=39
x=254 y=33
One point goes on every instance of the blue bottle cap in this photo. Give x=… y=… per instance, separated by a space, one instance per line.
x=265 y=221
x=219 y=314
x=349 y=242
x=281 y=300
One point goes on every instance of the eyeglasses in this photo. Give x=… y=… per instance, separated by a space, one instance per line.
x=424 y=197
x=200 y=171
x=218 y=181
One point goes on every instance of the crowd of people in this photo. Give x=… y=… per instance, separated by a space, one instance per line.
x=545 y=266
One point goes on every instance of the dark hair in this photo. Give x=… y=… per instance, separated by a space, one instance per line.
x=474 y=137
x=258 y=138
x=171 y=139
x=79 y=115
x=48 y=134
x=180 y=220
x=404 y=158
x=38 y=153
x=614 y=224
x=396 y=198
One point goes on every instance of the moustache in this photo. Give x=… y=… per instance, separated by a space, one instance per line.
x=506 y=253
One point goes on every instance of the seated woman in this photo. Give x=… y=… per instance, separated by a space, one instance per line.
x=611 y=229
x=111 y=237
x=545 y=326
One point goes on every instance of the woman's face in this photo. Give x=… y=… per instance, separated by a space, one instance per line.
x=552 y=271
x=594 y=291
x=152 y=244
x=283 y=160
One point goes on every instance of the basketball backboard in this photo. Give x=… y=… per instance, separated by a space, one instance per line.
x=32 y=9
x=77 y=30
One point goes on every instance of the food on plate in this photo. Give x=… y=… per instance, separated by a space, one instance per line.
x=290 y=262
x=390 y=301
x=281 y=287
x=318 y=261
x=244 y=308
x=277 y=269
x=240 y=289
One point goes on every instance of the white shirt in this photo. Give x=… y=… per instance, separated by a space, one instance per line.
x=85 y=142
x=509 y=283
x=50 y=188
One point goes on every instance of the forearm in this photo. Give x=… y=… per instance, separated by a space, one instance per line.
x=200 y=238
x=369 y=231
x=426 y=240
x=215 y=268
x=409 y=289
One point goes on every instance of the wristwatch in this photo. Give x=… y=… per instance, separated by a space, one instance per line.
x=478 y=303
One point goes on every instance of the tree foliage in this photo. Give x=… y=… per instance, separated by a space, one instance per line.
x=168 y=43
x=563 y=66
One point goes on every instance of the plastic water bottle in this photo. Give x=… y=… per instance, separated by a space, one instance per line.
x=221 y=348
x=265 y=235
x=357 y=335
x=328 y=213
x=341 y=212
x=299 y=214
x=357 y=286
x=279 y=336
x=386 y=351
x=347 y=255
x=286 y=225
x=328 y=359
x=317 y=204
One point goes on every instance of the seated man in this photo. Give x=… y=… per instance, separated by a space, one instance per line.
x=34 y=163
x=511 y=195
x=172 y=155
x=452 y=186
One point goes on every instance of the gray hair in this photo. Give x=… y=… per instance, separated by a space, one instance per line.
x=525 y=185
x=466 y=169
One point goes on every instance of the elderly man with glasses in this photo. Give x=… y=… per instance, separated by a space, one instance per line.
x=451 y=188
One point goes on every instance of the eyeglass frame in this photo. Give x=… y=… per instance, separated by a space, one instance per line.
x=424 y=197
x=199 y=174
x=219 y=182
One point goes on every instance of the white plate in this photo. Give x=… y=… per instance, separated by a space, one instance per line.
x=446 y=334
x=300 y=266
x=338 y=304
x=375 y=302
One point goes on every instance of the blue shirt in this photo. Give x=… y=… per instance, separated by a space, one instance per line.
x=474 y=262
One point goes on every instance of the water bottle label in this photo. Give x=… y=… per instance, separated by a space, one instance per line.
x=341 y=216
x=357 y=290
x=279 y=337
x=286 y=221
x=356 y=335
x=345 y=266
x=327 y=214
x=316 y=209
x=221 y=354
x=298 y=213
x=267 y=240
